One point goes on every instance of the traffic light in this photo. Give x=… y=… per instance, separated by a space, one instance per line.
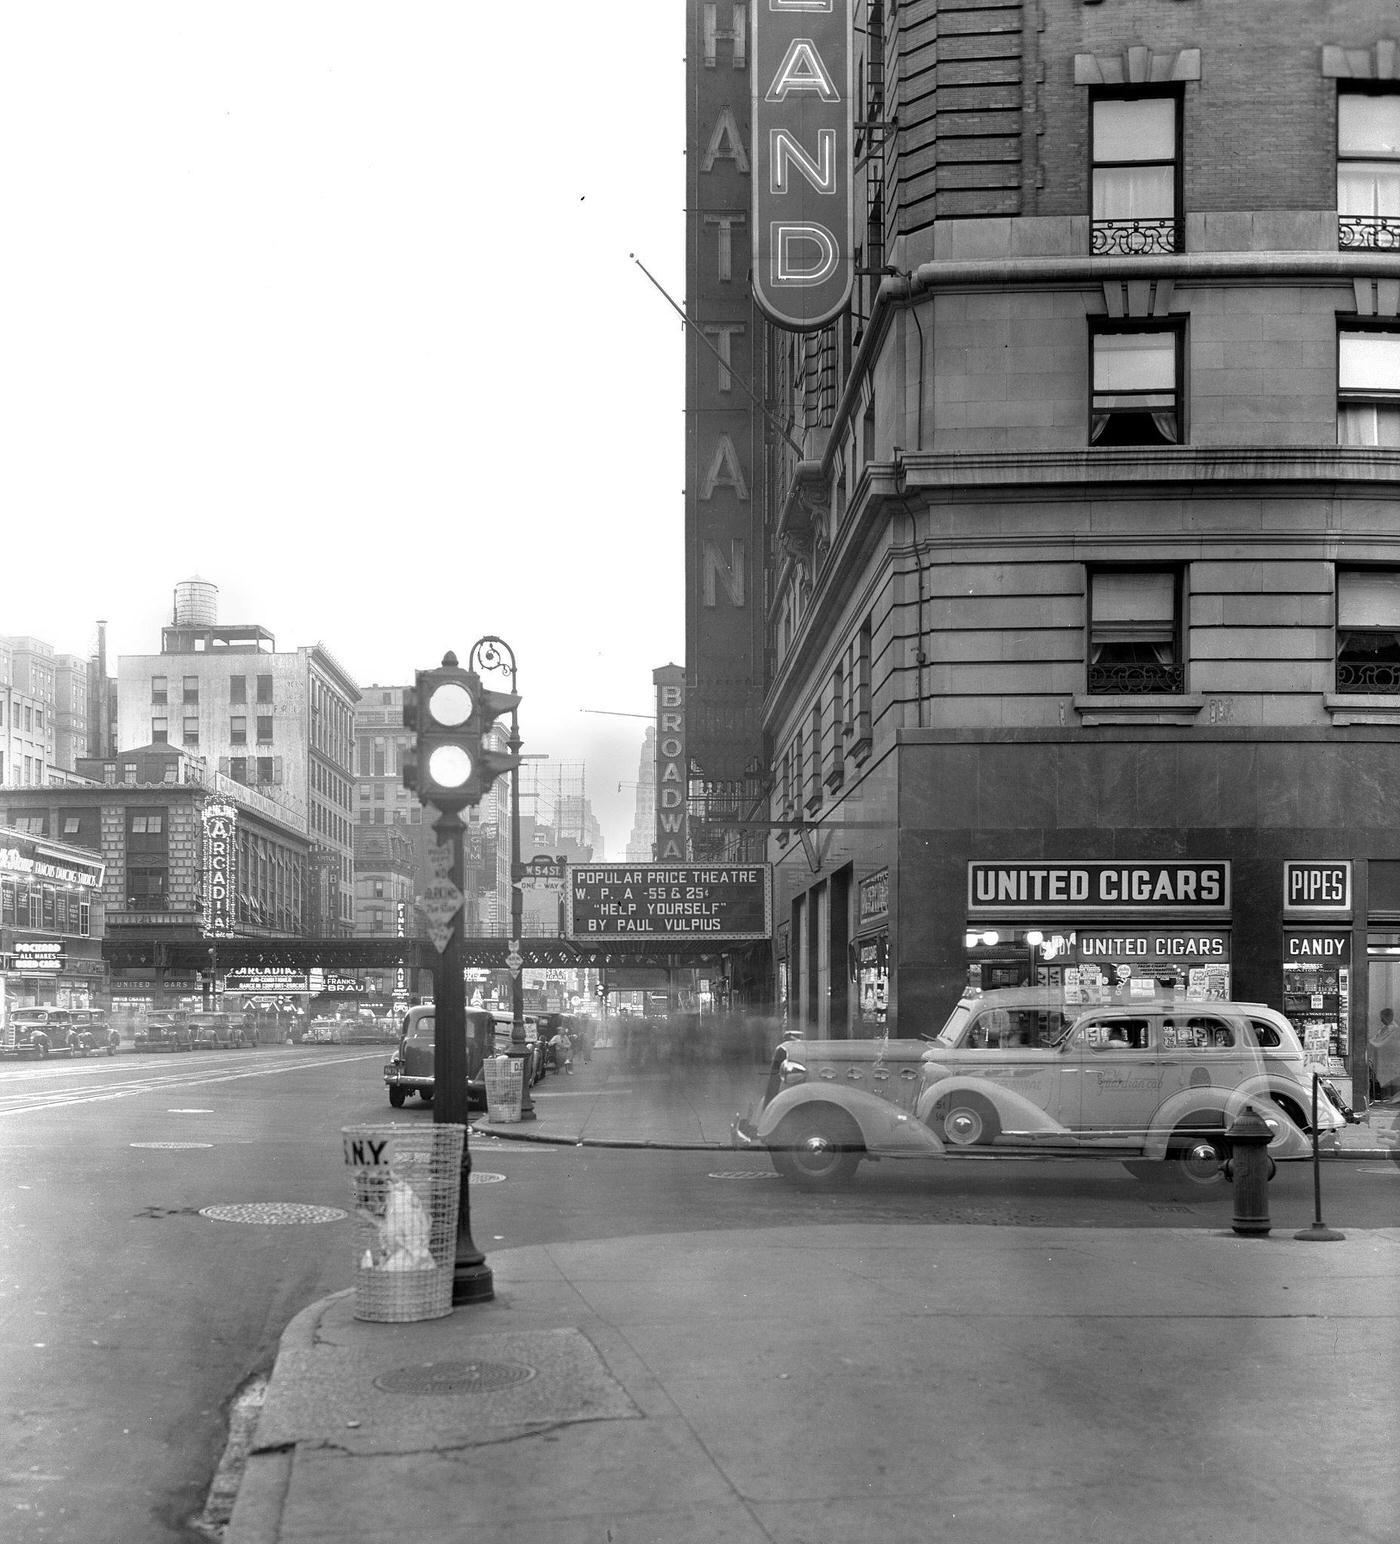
x=451 y=711
x=408 y=763
x=491 y=763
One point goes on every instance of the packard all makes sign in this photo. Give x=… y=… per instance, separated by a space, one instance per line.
x=719 y=903
x=1048 y=887
x=803 y=138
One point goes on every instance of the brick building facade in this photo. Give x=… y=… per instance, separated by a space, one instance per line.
x=1075 y=539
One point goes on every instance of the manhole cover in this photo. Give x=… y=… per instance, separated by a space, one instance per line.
x=745 y=1174
x=271 y=1212
x=454 y=1378
x=484 y=1179
x=172 y=1144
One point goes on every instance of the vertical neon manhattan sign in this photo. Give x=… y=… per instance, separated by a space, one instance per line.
x=803 y=133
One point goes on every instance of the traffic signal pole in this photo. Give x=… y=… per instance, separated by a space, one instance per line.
x=450 y=712
x=471 y=1276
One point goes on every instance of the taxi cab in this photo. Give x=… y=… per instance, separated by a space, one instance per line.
x=1154 y=1082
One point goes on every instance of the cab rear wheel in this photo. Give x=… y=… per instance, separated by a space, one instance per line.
x=816 y=1146
x=965 y=1120
x=396 y=1097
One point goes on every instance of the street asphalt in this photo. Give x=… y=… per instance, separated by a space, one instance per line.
x=844 y=1383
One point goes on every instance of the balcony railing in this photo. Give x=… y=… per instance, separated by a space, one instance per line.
x=1377 y=232
x=1377 y=679
x=1134 y=238
x=1137 y=680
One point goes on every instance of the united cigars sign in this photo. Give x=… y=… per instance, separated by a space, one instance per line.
x=1051 y=887
x=723 y=903
x=803 y=134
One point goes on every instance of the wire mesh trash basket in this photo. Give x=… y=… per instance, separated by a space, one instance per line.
x=505 y=1088
x=405 y=1182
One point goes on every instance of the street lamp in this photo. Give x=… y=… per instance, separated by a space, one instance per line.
x=490 y=654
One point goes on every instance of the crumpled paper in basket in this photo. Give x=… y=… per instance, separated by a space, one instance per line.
x=404 y=1231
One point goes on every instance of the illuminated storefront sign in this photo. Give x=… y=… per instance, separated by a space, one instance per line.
x=803 y=133
x=31 y=955
x=31 y=862
x=874 y=898
x=1317 y=886
x=1316 y=948
x=1061 y=887
x=219 y=824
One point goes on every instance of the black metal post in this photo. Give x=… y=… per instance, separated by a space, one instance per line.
x=518 y=1048
x=471 y=1276
x=1319 y=1233
x=493 y=653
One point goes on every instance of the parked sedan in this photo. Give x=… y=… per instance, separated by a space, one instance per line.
x=412 y=1069
x=41 y=1032
x=215 y=1031
x=1144 y=1081
x=164 y=1032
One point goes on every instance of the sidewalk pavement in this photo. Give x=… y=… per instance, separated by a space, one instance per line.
x=836 y=1384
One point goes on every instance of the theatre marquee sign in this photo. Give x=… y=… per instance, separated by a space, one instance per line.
x=719 y=903
x=1049 y=887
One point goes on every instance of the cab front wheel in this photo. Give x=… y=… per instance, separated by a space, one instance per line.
x=816 y=1147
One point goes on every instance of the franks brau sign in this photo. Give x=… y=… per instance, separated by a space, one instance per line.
x=661 y=900
x=803 y=133
x=1051 y=887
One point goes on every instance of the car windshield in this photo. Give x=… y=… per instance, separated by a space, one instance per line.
x=979 y=1025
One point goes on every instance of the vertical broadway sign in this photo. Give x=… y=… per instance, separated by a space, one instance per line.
x=803 y=133
x=672 y=825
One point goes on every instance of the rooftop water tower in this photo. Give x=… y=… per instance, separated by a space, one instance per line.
x=196 y=603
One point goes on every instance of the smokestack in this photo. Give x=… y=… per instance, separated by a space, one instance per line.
x=102 y=717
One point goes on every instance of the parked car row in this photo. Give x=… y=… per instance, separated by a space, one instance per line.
x=1153 y=1082
x=360 y=1030
x=41 y=1032
x=209 y=1030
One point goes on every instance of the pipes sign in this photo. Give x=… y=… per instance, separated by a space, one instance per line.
x=803 y=137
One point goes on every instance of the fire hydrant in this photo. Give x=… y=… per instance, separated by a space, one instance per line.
x=1250 y=1168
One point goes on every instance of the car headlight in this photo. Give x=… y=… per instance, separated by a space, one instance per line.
x=792 y=1069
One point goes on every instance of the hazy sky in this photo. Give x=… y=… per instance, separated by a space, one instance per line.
x=333 y=305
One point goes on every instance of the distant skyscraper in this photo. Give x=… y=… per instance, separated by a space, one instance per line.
x=640 y=843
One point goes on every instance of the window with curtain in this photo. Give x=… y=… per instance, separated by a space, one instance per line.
x=1368 y=387
x=1136 y=385
x=1368 y=630
x=1135 y=631
x=1368 y=169
x=1136 y=174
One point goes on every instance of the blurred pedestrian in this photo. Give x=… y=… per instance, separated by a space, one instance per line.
x=563 y=1051
x=1383 y=1057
